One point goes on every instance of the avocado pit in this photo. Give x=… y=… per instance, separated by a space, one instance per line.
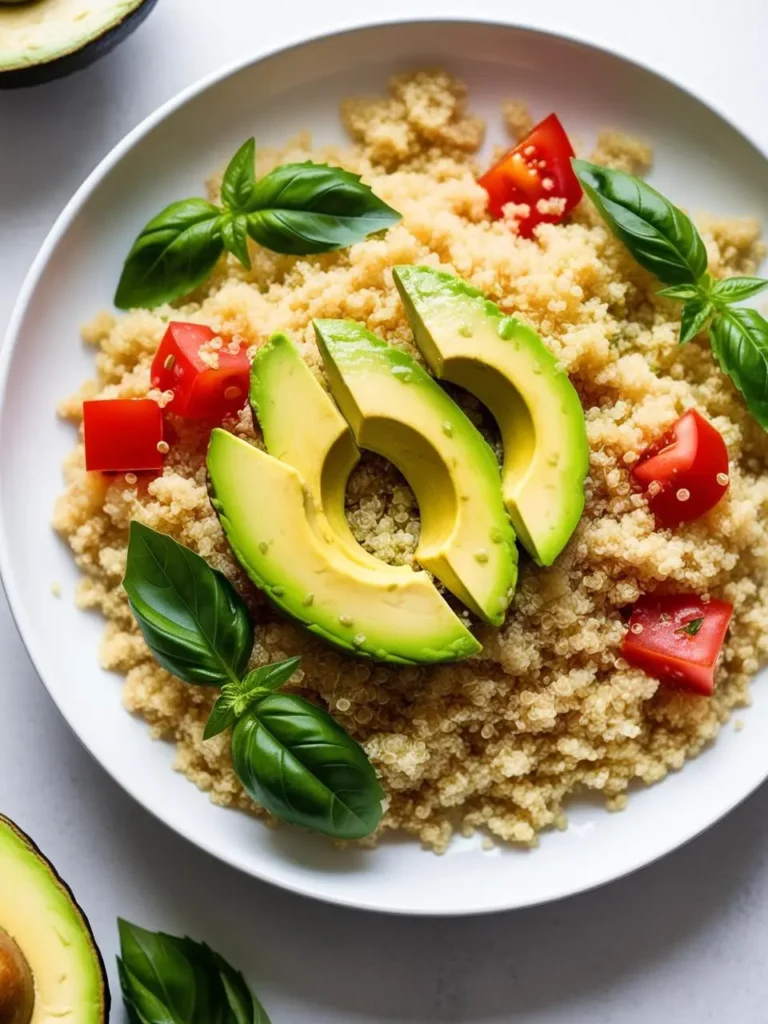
x=17 y=988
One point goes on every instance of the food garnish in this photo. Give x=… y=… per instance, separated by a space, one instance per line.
x=684 y=472
x=536 y=174
x=664 y=241
x=677 y=638
x=123 y=435
x=170 y=980
x=207 y=375
x=290 y=756
x=297 y=209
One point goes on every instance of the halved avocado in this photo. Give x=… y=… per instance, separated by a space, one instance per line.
x=50 y=967
x=45 y=39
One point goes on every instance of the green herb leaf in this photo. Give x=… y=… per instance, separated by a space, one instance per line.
x=175 y=252
x=739 y=340
x=192 y=618
x=236 y=698
x=234 y=235
x=734 y=289
x=659 y=235
x=301 y=209
x=244 y=1006
x=169 y=980
x=239 y=179
x=298 y=763
x=695 y=316
x=680 y=291
x=156 y=977
x=223 y=712
x=692 y=627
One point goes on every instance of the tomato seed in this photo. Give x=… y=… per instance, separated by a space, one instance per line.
x=163 y=447
x=683 y=494
x=636 y=628
x=722 y=479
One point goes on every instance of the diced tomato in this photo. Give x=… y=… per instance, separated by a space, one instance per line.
x=677 y=638
x=536 y=171
x=207 y=381
x=123 y=434
x=685 y=472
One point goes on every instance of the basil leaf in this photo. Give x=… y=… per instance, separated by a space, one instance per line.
x=192 y=618
x=680 y=291
x=694 y=317
x=659 y=235
x=223 y=712
x=692 y=628
x=158 y=979
x=739 y=338
x=239 y=179
x=234 y=235
x=175 y=252
x=734 y=289
x=236 y=698
x=298 y=763
x=128 y=986
x=244 y=1006
x=301 y=209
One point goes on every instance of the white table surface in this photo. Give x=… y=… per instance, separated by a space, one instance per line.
x=684 y=940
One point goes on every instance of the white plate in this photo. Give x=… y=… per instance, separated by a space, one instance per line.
x=701 y=162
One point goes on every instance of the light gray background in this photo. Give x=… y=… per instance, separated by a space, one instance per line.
x=686 y=939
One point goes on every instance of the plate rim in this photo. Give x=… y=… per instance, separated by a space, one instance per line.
x=10 y=340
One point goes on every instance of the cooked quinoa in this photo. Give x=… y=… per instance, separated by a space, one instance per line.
x=549 y=709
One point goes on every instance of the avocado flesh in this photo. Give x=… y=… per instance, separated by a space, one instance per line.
x=40 y=916
x=261 y=504
x=43 y=31
x=396 y=409
x=467 y=340
x=303 y=428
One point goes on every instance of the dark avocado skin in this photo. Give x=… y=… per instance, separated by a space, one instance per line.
x=59 y=67
x=37 y=853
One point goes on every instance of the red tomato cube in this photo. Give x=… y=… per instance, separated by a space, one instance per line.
x=685 y=472
x=676 y=638
x=537 y=173
x=123 y=434
x=207 y=380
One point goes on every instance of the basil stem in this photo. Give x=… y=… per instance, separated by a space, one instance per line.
x=193 y=620
x=236 y=698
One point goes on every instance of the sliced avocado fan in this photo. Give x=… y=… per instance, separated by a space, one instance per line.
x=467 y=340
x=262 y=506
x=50 y=968
x=396 y=409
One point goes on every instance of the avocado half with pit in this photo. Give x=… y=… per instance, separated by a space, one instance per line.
x=45 y=39
x=50 y=967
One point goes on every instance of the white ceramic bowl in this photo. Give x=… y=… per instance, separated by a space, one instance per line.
x=702 y=162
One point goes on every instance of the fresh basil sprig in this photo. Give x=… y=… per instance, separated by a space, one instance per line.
x=290 y=755
x=169 y=980
x=296 y=209
x=192 y=618
x=665 y=241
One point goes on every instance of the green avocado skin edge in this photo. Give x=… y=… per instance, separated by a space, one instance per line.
x=26 y=73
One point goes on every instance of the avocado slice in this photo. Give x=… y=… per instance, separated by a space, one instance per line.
x=467 y=340
x=45 y=39
x=317 y=443
x=396 y=409
x=50 y=968
x=262 y=505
